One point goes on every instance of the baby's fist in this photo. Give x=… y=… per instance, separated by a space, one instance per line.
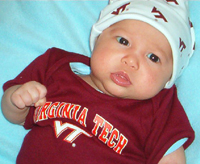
x=29 y=94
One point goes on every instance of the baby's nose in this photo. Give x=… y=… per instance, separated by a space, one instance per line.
x=130 y=61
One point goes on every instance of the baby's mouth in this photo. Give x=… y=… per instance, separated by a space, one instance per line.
x=120 y=78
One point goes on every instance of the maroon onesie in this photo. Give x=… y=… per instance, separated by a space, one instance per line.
x=81 y=125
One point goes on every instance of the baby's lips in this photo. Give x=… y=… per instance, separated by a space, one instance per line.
x=120 y=78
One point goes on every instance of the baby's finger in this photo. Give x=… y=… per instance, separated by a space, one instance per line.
x=36 y=90
x=17 y=101
x=42 y=90
x=21 y=100
x=40 y=102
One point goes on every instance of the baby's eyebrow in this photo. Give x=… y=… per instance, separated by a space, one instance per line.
x=117 y=30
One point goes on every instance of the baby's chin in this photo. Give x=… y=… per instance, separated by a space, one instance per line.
x=120 y=93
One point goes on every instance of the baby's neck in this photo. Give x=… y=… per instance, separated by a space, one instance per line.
x=89 y=81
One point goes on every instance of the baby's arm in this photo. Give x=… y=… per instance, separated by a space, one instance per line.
x=17 y=100
x=176 y=157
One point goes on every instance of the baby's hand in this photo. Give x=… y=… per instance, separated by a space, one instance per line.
x=29 y=94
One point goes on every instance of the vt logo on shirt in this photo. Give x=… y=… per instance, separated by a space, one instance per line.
x=102 y=129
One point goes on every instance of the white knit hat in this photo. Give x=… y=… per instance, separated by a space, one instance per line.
x=170 y=17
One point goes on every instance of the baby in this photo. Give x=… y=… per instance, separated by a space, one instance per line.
x=126 y=110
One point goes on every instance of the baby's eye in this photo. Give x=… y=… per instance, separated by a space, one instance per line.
x=153 y=58
x=123 y=41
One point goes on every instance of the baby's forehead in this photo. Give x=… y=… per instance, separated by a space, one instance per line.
x=131 y=22
x=134 y=27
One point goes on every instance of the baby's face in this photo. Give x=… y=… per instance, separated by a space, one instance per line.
x=131 y=59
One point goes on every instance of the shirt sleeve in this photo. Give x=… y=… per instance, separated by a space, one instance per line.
x=176 y=146
x=35 y=71
x=41 y=68
x=169 y=125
